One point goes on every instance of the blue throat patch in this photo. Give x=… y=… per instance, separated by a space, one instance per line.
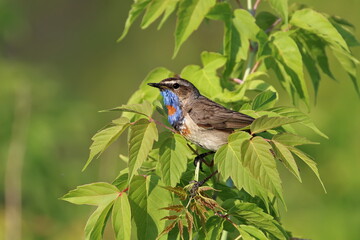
x=170 y=99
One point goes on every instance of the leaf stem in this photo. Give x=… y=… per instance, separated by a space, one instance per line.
x=163 y=125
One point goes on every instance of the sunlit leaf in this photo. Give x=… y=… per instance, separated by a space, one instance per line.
x=170 y=8
x=287 y=52
x=144 y=108
x=105 y=137
x=206 y=79
x=154 y=11
x=301 y=118
x=349 y=63
x=190 y=15
x=229 y=160
x=264 y=100
x=281 y=7
x=174 y=154
x=96 y=223
x=254 y=216
x=252 y=232
x=283 y=153
x=303 y=156
x=290 y=139
x=214 y=227
x=265 y=123
x=142 y=136
x=136 y=9
x=262 y=165
x=319 y=25
x=96 y=194
x=146 y=198
x=121 y=217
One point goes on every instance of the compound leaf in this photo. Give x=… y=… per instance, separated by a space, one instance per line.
x=146 y=198
x=190 y=15
x=121 y=217
x=142 y=136
x=174 y=154
x=265 y=123
x=136 y=9
x=104 y=138
x=96 y=223
x=262 y=165
x=97 y=194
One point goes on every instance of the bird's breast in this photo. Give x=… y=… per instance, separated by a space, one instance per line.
x=210 y=139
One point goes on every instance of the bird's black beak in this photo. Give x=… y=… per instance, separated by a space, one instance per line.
x=157 y=85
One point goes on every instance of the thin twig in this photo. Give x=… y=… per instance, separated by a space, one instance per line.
x=273 y=25
x=255 y=67
x=256 y=4
x=161 y=124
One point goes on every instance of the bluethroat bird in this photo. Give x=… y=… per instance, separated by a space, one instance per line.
x=197 y=118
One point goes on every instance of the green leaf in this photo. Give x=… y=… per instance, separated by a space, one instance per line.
x=349 y=63
x=104 y=138
x=288 y=54
x=281 y=7
x=229 y=160
x=142 y=136
x=290 y=139
x=121 y=217
x=136 y=9
x=190 y=15
x=97 y=194
x=315 y=47
x=146 y=197
x=309 y=162
x=252 y=232
x=265 y=20
x=265 y=123
x=283 y=153
x=170 y=8
x=341 y=27
x=302 y=118
x=264 y=100
x=144 y=109
x=206 y=79
x=174 y=154
x=214 y=227
x=154 y=11
x=252 y=215
x=238 y=34
x=96 y=223
x=319 y=25
x=261 y=163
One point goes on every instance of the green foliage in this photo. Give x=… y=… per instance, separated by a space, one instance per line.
x=152 y=198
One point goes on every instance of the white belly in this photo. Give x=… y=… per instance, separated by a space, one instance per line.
x=208 y=139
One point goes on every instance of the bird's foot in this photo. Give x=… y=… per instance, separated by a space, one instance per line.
x=201 y=158
x=197 y=184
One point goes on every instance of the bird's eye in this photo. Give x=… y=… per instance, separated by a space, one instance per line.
x=176 y=86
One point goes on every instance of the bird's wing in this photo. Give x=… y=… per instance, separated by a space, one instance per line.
x=209 y=114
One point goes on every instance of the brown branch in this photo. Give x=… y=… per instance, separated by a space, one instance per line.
x=256 y=4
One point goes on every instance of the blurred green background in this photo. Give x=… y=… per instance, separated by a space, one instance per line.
x=60 y=64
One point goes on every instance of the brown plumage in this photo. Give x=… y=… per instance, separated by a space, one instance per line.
x=199 y=119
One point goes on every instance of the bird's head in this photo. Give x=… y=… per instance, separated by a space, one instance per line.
x=181 y=88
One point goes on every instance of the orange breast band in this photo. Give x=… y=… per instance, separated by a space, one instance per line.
x=171 y=110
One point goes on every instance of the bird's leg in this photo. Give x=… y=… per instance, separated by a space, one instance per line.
x=196 y=185
x=201 y=158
